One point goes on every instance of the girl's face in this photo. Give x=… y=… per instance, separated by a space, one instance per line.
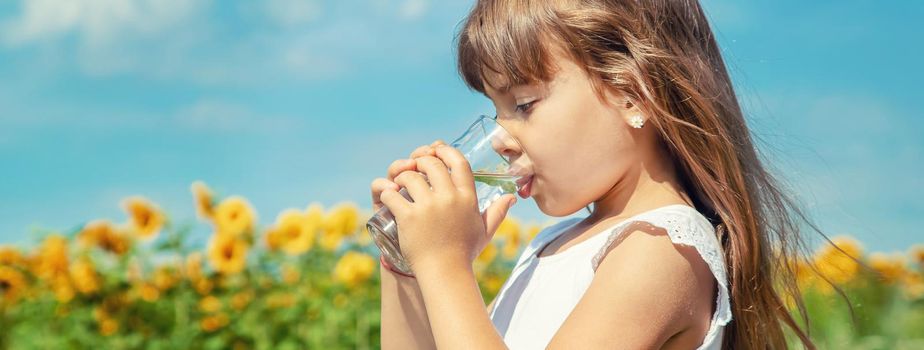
x=578 y=145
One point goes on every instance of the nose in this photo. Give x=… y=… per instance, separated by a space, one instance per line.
x=506 y=144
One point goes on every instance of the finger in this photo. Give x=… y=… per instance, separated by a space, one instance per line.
x=379 y=185
x=423 y=151
x=460 y=170
x=437 y=173
x=395 y=202
x=399 y=166
x=426 y=150
x=415 y=184
x=494 y=215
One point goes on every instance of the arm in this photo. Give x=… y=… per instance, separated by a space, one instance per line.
x=405 y=324
x=404 y=318
x=647 y=293
x=647 y=275
x=458 y=317
x=443 y=262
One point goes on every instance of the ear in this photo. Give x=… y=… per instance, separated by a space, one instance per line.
x=624 y=107
x=632 y=114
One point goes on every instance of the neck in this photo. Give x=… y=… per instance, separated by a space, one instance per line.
x=652 y=183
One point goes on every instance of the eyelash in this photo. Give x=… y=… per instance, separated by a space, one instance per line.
x=524 y=108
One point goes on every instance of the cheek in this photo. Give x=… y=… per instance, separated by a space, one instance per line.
x=576 y=166
x=580 y=150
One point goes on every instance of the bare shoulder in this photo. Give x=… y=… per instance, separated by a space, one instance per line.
x=647 y=292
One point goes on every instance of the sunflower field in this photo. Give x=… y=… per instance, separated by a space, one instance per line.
x=309 y=279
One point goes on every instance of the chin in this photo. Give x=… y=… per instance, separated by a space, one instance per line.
x=555 y=209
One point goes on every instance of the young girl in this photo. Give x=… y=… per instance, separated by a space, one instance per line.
x=626 y=105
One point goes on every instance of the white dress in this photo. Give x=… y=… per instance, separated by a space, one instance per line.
x=541 y=292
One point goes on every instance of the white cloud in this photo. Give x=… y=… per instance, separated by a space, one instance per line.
x=109 y=37
x=224 y=116
x=322 y=53
x=306 y=63
x=413 y=9
x=293 y=12
x=193 y=41
x=96 y=22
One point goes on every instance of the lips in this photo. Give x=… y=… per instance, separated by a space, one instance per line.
x=525 y=185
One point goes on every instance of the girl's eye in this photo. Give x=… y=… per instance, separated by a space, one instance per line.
x=523 y=108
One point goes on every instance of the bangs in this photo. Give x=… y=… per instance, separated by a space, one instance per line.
x=507 y=43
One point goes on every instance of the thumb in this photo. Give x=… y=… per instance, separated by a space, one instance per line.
x=496 y=213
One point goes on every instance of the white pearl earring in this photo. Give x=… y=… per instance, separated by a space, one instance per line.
x=636 y=121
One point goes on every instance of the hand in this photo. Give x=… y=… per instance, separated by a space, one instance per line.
x=396 y=167
x=442 y=226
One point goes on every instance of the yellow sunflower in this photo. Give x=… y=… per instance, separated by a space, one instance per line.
x=145 y=217
x=12 y=284
x=203 y=286
x=203 y=197
x=273 y=239
x=532 y=231
x=890 y=268
x=227 y=254
x=917 y=255
x=108 y=326
x=331 y=233
x=105 y=235
x=111 y=305
x=234 y=216
x=290 y=274
x=212 y=323
x=339 y=223
x=834 y=264
x=241 y=299
x=354 y=268
x=280 y=300
x=147 y=291
x=84 y=276
x=913 y=285
x=10 y=256
x=342 y=220
x=294 y=232
x=493 y=283
x=209 y=304
x=52 y=259
x=509 y=231
x=330 y=242
x=165 y=277
x=364 y=237
x=488 y=254
x=341 y=300
x=803 y=271
x=62 y=288
x=193 y=266
x=133 y=270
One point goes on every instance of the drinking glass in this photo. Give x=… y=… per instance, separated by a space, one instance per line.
x=484 y=145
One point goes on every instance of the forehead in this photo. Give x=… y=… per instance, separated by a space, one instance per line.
x=560 y=65
x=495 y=83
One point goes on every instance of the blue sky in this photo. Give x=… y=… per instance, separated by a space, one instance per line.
x=291 y=102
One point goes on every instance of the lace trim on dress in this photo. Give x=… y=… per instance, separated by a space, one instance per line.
x=683 y=228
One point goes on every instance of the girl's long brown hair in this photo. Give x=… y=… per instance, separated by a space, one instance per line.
x=662 y=55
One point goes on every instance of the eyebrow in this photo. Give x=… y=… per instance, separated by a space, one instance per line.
x=503 y=88
x=506 y=87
